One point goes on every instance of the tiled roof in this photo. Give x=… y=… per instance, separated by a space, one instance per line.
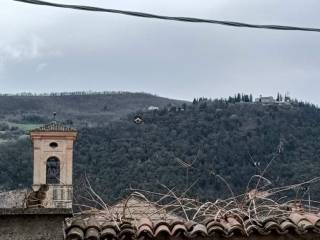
x=99 y=225
x=54 y=126
x=134 y=208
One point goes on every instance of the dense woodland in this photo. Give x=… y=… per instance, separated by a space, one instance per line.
x=80 y=108
x=202 y=147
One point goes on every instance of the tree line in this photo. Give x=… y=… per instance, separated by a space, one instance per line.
x=72 y=93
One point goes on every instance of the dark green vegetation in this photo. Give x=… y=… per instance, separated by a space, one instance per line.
x=19 y=113
x=80 y=108
x=204 y=144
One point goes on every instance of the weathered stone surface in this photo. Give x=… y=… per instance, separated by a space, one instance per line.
x=32 y=224
x=13 y=199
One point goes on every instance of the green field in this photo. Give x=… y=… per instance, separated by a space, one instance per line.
x=24 y=127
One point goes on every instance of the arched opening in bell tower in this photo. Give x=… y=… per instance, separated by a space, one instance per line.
x=53 y=171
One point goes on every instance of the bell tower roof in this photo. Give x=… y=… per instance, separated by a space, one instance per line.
x=54 y=126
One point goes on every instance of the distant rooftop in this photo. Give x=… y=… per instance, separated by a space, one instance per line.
x=54 y=126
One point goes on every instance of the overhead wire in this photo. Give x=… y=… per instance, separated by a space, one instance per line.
x=170 y=18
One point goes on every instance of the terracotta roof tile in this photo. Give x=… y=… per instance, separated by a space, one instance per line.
x=235 y=227
x=75 y=233
x=198 y=230
x=273 y=226
x=99 y=226
x=108 y=231
x=287 y=225
x=145 y=222
x=314 y=219
x=222 y=228
x=145 y=230
x=214 y=226
x=162 y=229
x=127 y=230
x=92 y=234
x=178 y=229
x=93 y=223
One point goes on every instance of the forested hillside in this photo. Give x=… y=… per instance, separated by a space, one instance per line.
x=81 y=109
x=206 y=145
x=91 y=107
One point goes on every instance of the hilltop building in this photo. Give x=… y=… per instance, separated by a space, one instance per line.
x=270 y=100
x=153 y=108
x=45 y=211
x=265 y=99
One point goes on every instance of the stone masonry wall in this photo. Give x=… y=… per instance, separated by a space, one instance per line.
x=32 y=226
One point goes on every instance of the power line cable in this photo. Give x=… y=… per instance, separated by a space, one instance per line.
x=180 y=19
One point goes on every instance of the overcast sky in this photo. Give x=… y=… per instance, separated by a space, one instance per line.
x=44 y=49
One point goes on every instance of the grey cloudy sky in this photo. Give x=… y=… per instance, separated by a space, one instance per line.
x=45 y=49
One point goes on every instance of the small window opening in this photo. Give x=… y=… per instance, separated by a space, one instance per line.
x=53 y=144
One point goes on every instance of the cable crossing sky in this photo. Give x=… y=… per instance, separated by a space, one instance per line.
x=170 y=18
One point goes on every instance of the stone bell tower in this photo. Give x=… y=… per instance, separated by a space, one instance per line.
x=52 y=163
